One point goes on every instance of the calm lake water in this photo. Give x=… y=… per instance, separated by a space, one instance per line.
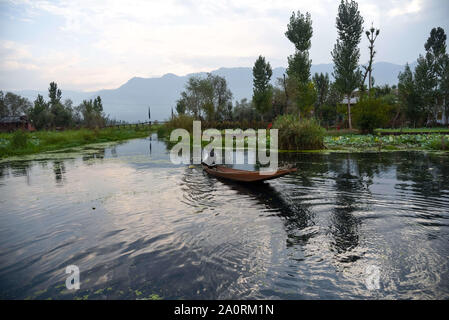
x=138 y=226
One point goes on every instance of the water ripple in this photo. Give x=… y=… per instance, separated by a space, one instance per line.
x=138 y=226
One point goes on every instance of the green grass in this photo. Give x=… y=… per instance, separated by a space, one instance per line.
x=22 y=143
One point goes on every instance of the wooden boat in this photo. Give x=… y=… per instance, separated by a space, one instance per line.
x=244 y=175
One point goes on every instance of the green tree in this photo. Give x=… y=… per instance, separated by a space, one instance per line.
x=222 y=96
x=86 y=109
x=98 y=105
x=206 y=97
x=12 y=104
x=3 y=109
x=329 y=112
x=322 y=83
x=299 y=67
x=438 y=60
x=279 y=99
x=382 y=91
x=54 y=93
x=62 y=116
x=436 y=45
x=196 y=96
x=262 y=90
x=244 y=111
x=370 y=113
x=299 y=32
x=409 y=97
x=305 y=97
x=92 y=112
x=346 y=53
x=426 y=86
x=40 y=114
x=444 y=86
x=229 y=111
x=181 y=107
x=77 y=118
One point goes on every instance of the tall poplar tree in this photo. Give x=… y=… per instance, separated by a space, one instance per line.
x=54 y=93
x=438 y=61
x=346 y=53
x=299 y=32
x=262 y=90
x=408 y=96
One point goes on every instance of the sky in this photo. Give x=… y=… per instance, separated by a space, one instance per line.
x=89 y=45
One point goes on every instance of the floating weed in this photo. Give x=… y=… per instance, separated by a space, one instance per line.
x=153 y=296
x=82 y=297
x=60 y=285
x=99 y=291
x=40 y=292
x=357 y=142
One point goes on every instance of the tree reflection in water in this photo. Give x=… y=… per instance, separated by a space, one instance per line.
x=349 y=192
x=59 y=171
x=352 y=176
x=96 y=154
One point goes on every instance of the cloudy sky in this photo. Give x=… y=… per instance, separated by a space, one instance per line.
x=88 y=45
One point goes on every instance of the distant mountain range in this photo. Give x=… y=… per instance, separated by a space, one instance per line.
x=130 y=101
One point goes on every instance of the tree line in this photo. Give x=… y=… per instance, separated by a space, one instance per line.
x=424 y=93
x=54 y=113
x=416 y=100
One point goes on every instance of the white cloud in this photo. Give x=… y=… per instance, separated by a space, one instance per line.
x=101 y=44
x=412 y=7
x=15 y=56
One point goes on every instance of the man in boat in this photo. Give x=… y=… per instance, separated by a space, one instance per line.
x=207 y=160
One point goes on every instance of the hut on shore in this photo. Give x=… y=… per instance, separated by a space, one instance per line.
x=13 y=123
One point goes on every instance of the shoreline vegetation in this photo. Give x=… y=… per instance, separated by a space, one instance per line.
x=308 y=136
x=25 y=143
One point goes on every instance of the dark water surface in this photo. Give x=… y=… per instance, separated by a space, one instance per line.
x=138 y=226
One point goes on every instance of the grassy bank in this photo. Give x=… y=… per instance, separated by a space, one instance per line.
x=21 y=143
